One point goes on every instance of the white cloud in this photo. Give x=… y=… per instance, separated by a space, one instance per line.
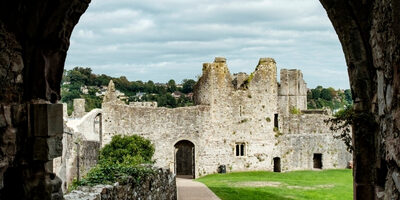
x=141 y=25
x=160 y=40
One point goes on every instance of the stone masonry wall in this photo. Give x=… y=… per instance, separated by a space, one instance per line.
x=79 y=108
x=160 y=186
x=229 y=111
x=292 y=91
x=30 y=130
x=306 y=134
x=76 y=145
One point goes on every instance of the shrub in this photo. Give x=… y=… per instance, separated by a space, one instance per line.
x=120 y=162
x=295 y=111
x=113 y=172
x=131 y=149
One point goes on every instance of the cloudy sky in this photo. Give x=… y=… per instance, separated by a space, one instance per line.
x=170 y=39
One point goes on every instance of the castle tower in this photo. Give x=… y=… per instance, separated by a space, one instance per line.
x=292 y=91
x=215 y=83
x=264 y=77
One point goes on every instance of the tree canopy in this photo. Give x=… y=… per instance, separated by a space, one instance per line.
x=330 y=98
x=79 y=77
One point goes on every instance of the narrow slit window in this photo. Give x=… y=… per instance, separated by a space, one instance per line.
x=276 y=124
x=237 y=150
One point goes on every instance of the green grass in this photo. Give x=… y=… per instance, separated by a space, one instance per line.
x=303 y=185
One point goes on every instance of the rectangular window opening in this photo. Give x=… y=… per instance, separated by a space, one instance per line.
x=276 y=124
x=240 y=149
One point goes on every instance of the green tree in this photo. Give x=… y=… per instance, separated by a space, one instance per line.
x=171 y=86
x=119 y=161
x=348 y=96
x=326 y=94
x=149 y=87
x=102 y=80
x=171 y=101
x=316 y=93
x=187 y=85
x=121 y=148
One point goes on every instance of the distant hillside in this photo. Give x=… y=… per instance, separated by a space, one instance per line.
x=82 y=83
x=328 y=98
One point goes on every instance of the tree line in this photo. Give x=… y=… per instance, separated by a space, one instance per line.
x=330 y=98
x=73 y=80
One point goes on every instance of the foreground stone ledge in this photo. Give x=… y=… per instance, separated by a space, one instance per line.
x=160 y=186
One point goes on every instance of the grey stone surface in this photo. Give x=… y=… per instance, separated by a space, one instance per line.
x=226 y=114
x=47 y=120
x=160 y=186
x=79 y=108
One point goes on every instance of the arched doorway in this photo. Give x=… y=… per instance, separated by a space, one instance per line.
x=184 y=159
x=277 y=164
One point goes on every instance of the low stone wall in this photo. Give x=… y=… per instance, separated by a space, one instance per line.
x=161 y=185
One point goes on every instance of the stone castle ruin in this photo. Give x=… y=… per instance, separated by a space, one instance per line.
x=33 y=52
x=244 y=122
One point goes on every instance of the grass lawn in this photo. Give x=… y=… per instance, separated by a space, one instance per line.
x=325 y=184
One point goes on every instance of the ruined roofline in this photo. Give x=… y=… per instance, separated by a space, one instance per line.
x=219 y=69
x=222 y=60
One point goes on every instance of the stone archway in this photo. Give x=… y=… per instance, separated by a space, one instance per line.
x=36 y=34
x=185 y=159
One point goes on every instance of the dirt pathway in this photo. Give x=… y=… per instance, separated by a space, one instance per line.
x=193 y=190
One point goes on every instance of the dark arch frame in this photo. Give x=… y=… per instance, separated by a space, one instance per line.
x=369 y=32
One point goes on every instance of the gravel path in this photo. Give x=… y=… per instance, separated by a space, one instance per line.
x=188 y=189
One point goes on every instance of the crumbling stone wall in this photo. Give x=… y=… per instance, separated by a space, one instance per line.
x=230 y=110
x=88 y=156
x=81 y=141
x=160 y=186
x=78 y=157
x=143 y=104
x=292 y=91
x=30 y=131
x=303 y=135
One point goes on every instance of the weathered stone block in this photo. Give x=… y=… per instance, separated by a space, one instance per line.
x=45 y=149
x=47 y=119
